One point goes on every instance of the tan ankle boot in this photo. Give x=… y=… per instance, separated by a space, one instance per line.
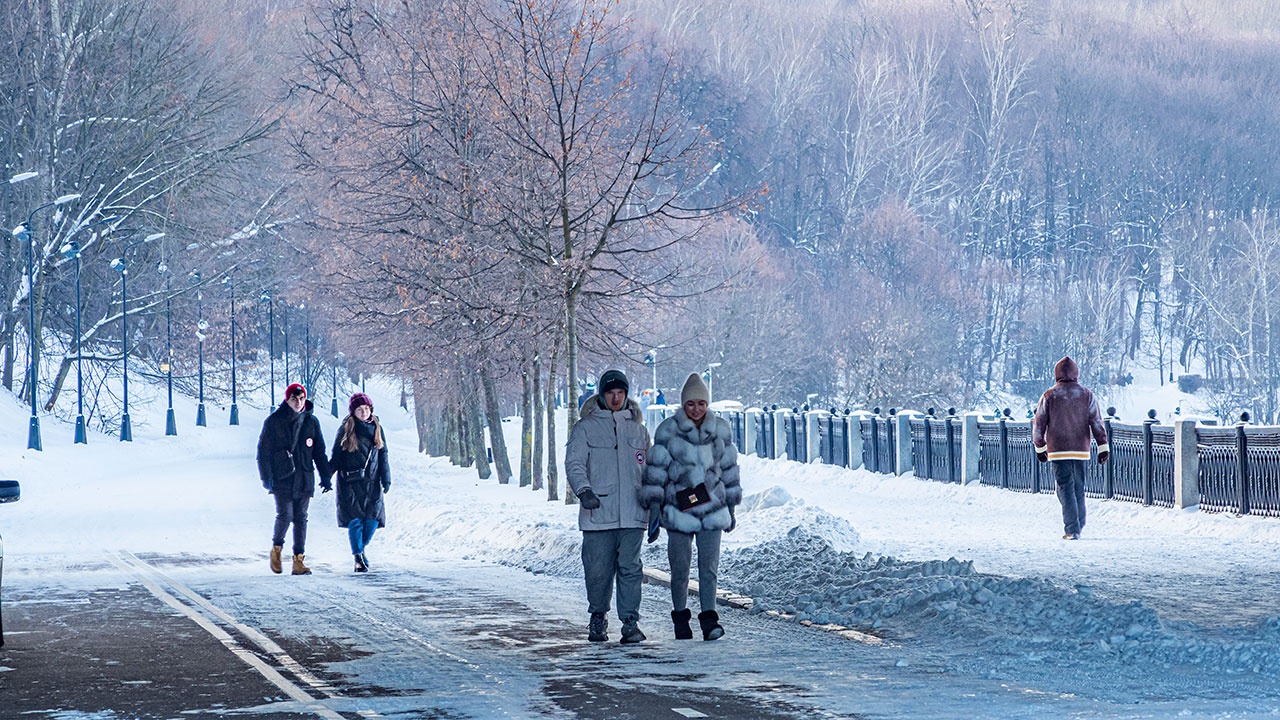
x=275 y=559
x=298 y=567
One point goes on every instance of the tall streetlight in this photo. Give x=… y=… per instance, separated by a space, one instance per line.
x=23 y=233
x=651 y=359
x=336 y=359
x=271 y=341
x=231 y=292
x=171 y=418
x=71 y=251
x=710 y=367
x=201 y=326
x=122 y=267
x=286 y=343
x=306 y=345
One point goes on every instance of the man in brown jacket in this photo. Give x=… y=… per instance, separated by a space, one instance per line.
x=1067 y=418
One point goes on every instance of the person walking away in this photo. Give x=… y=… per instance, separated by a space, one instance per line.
x=290 y=452
x=1066 y=419
x=359 y=459
x=604 y=464
x=691 y=486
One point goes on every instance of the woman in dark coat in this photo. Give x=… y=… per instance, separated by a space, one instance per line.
x=360 y=459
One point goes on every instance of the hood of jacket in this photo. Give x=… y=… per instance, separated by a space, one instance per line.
x=1066 y=370
x=595 y=404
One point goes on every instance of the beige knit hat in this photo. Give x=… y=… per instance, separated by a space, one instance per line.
x=694 y=389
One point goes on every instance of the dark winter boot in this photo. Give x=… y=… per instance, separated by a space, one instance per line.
x=681 y=619
x=710 y=622
x=631 y=632
x=364 y=560
x=598 y=628
x=360 y=564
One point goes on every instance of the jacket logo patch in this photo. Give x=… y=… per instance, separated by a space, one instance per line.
x=639 y=457
x=310 y=442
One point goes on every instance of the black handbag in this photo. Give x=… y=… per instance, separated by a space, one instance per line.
x=690 y=498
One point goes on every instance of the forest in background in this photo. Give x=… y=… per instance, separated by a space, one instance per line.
x=858 y=203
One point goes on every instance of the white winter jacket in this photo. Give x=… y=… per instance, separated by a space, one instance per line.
x=684 y=455
x=607 y=452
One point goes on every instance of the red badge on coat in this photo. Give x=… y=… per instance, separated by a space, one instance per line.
x=639 y=457
x=309 y=442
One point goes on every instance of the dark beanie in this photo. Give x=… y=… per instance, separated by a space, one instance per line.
x=356 y=401
x=612 y=380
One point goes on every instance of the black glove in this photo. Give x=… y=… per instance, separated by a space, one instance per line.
x=326 y=487
x=733 y=520
x=1103 y=456
x=589 y=499
x=1042 y=457
x=654 y=525
x=386 y=488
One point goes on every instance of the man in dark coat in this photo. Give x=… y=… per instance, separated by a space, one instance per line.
x=290 y=451
x=1067 y=419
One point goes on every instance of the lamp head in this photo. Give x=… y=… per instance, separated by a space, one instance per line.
x=70 y=251
x=266 y=296
x=23 y=176
x=22 y=233
x=64 y=199
x=120 y=265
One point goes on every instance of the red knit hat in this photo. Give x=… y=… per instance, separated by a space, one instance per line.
x=356 y=401
x=294 y=389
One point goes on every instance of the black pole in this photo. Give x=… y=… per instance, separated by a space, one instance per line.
x=126 y=429
x=82 y=435
x=1148 y=461
x=1109 y=470
x=1004 y=450
x=235 y=409
x=33 y=432
x=171 y=418
x=201 y=326
x=951 y=449
x=1242 y=466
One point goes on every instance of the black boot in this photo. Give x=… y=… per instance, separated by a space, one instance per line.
x=681 y=619
x=598 y=628
x=710 y=622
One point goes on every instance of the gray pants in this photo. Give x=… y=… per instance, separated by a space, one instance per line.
x=1069 y=476
x=609 y=557
x=680 y=557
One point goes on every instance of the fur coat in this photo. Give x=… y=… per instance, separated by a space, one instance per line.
x=683 y=455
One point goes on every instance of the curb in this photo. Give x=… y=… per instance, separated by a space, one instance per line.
x=742 y=602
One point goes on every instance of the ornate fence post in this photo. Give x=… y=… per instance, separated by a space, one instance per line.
x=1148 y=459
x=972 y=448
x=1109 y=470
x=813 y=436
x=903 y=451
x=951 y=447
x=928 y=445
x=1186 y=468
x=875 y=441
x=1242 y=464
x=854 y=439
x=1004 y=448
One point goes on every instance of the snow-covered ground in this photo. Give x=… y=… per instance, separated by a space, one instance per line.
x=1154 y=613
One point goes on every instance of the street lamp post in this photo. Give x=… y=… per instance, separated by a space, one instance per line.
x=231 y=292
x=336 y=359
x=306 y=345
x=710 y=367
x=286 y=343
x=171 y=418
x=271 y=341
x=651 y=359
x=72 y=250
x=201 y=326
x=122 y=267
x=24 y=234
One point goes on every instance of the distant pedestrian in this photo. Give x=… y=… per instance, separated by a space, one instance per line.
x=290 y=452
x=359 y=458
x=662 y=399
x=1066 y=419
x=603 y=464
x=692 y=487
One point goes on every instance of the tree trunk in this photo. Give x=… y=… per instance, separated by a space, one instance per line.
x=553 y=480
x=538 y=411
x=475 y=426
x=526 y=428
x=421 y=417
x=493 y=415
x=571 y=350
x=58 y=381
x=10 y=329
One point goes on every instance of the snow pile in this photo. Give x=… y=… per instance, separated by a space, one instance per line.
x=946 y=602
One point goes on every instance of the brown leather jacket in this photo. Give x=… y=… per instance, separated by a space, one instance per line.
x=1067 y=417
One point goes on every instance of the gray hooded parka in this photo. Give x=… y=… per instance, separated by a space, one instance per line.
x=607 y=452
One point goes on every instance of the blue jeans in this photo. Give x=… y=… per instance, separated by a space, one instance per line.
x=1069 y=476
x=360 y=532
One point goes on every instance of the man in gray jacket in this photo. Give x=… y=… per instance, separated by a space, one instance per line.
x=604 y=465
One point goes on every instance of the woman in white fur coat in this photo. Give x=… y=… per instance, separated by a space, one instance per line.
x=693 y=447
